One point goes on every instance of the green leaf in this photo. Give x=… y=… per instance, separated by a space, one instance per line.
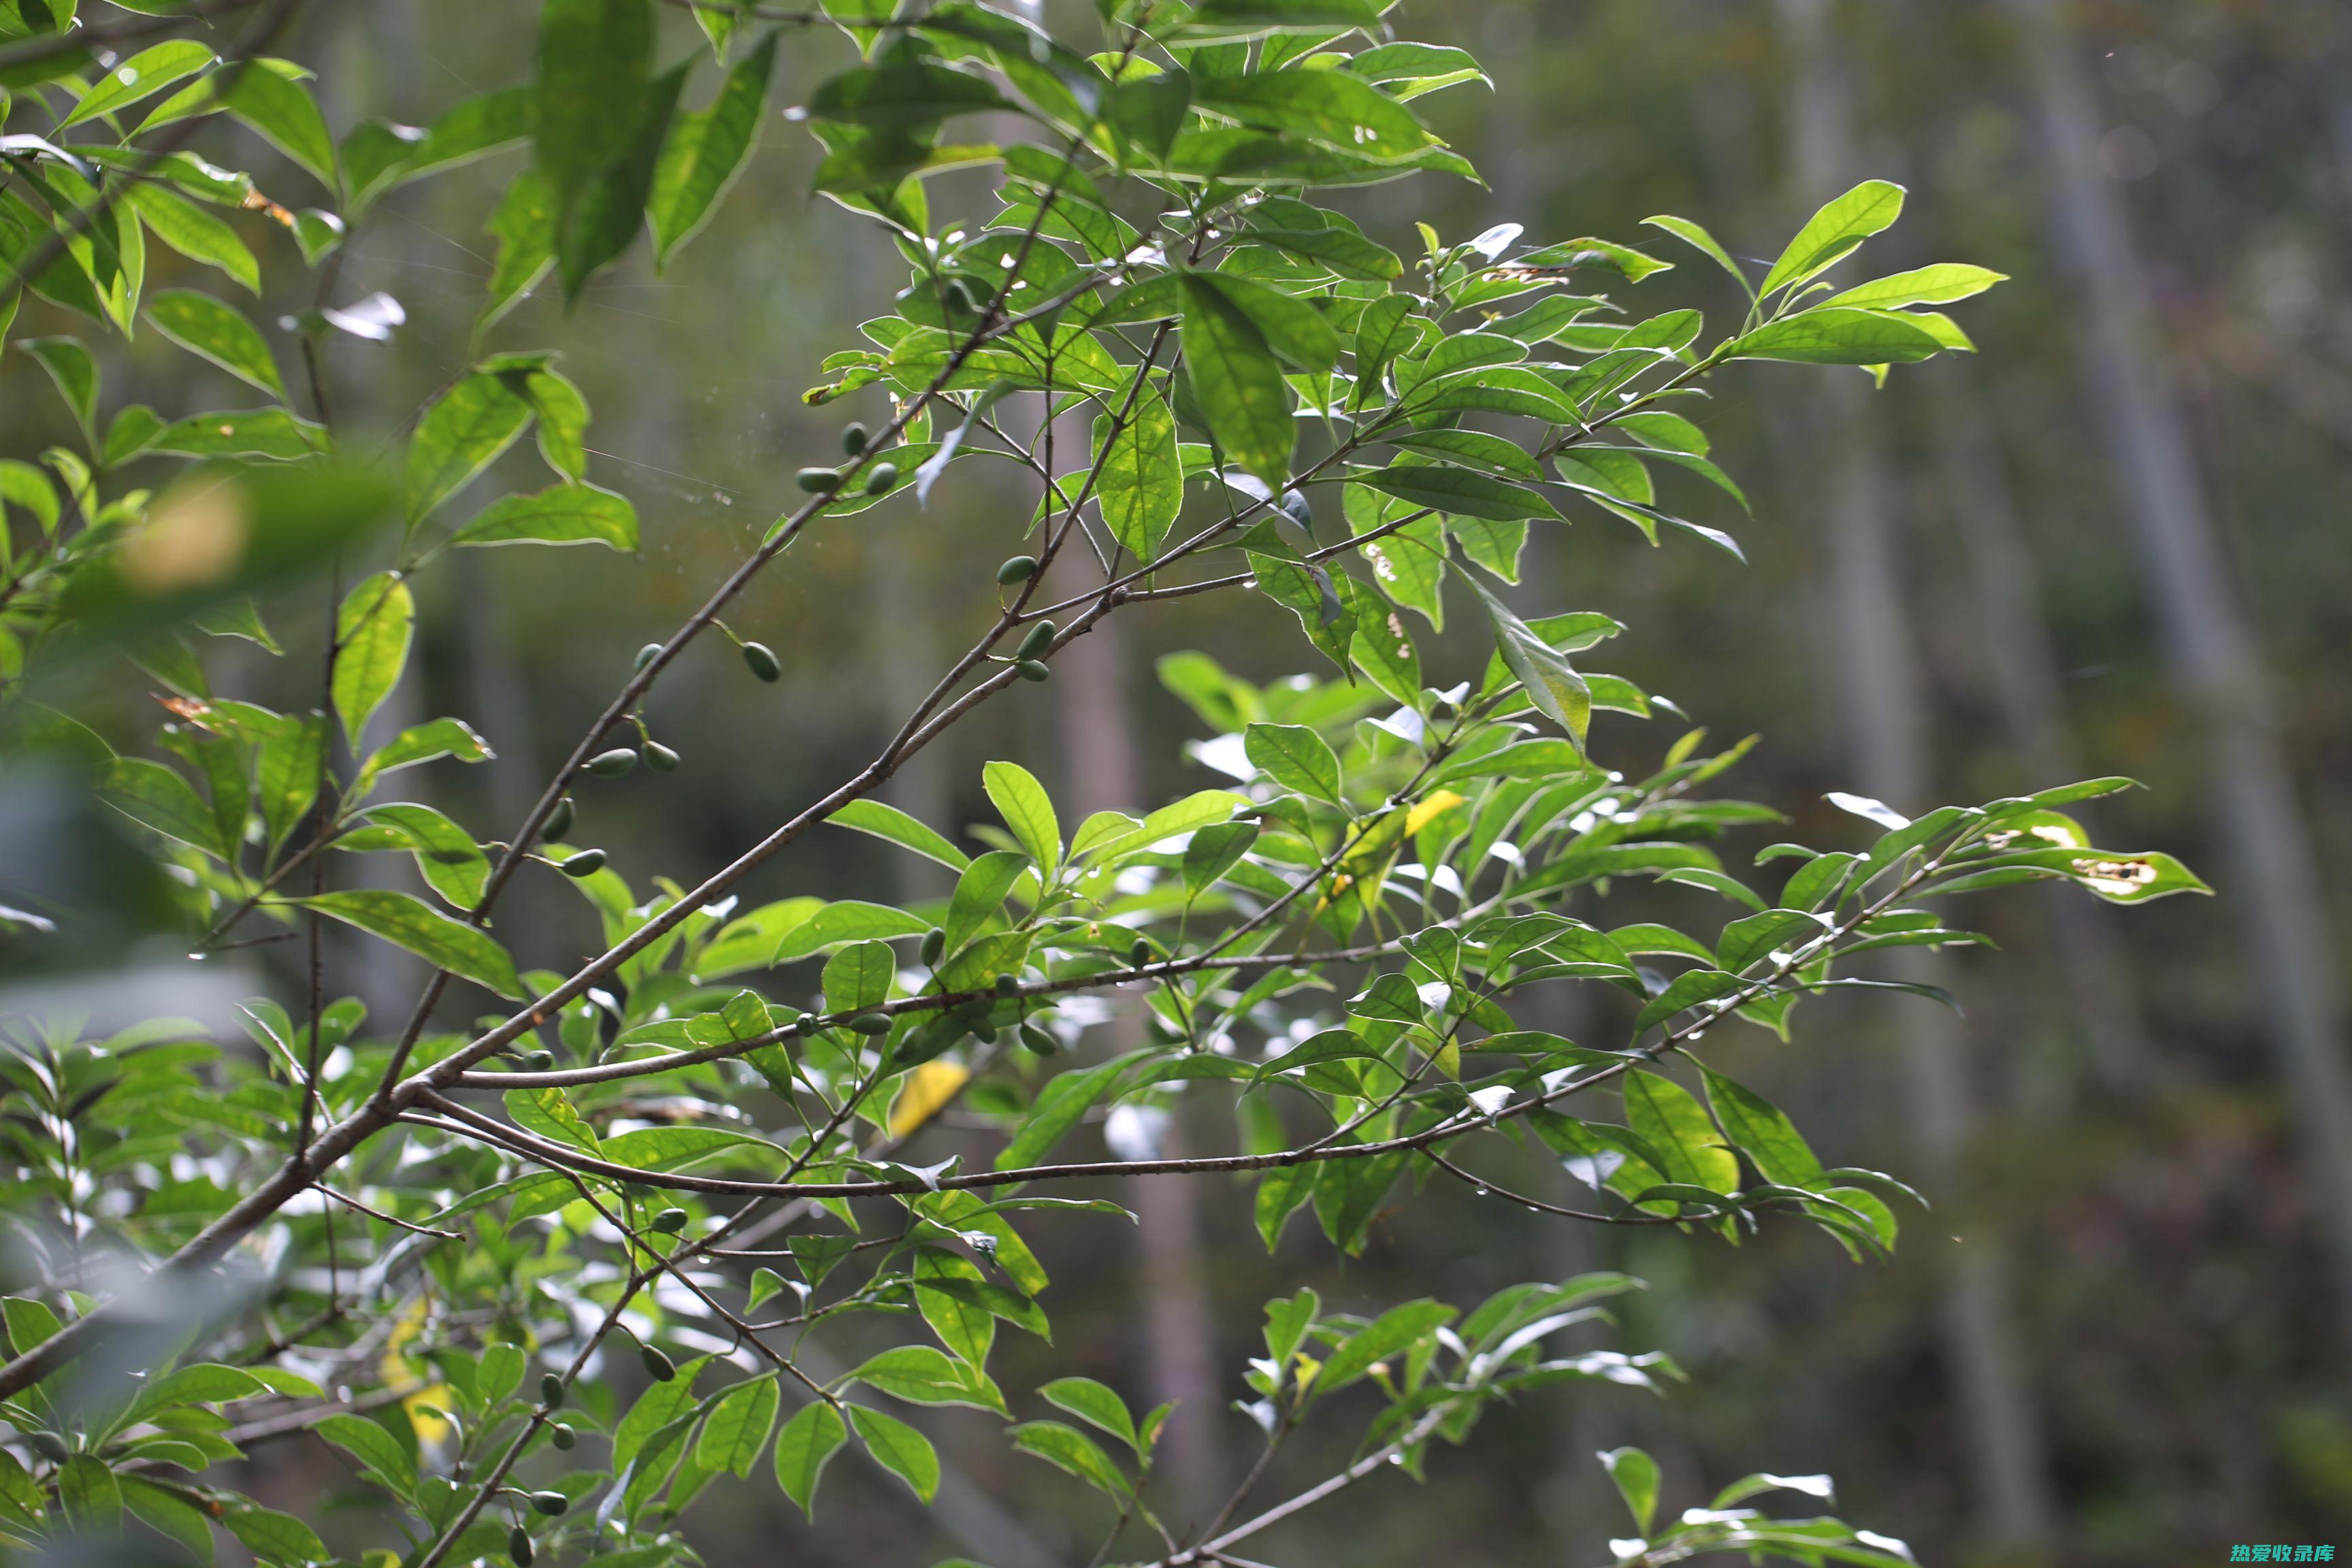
x=1937 y=285
x=1291 y=327
x=946 y=1292
x=1061 y=1105
x=1141 y=483
x=148 y=72
x=280 y=107
x=86 y=1489
x=412 y=923
x=1068 y=1448
x=1389 y=1334
x=524 y=226
x=267 y=433
x=463 y=433
x=1237 y=381
x=737 y=1427
x=1279 y=1193
x=849 y=920
x=1332 y=109
x=452 y=864
x=74 y=369
x=429 y=743
x=857 y=978
x=923 y=1375
x=599 y=224
x=594 y=61
x=372 y=630
x=274 y=1537
x=1662 y=1113
x=900 y=1449
x=1636 y=1475
x=1027 y=810
x=884 y=821
x=1827 y=336
x=1093 y=1403
x=168 y=1514
x=1764 y=1132
x=1460 y=492
x=206 y=327
x=1213 y=851
x=156 y=796
x=707 y=150
x=1551 y=682
x=660 y=1405
x=811 y=1437
x=561 y=514
x=377 y=1449
x=1296 y=757
x=1691 y=233
x=1684 y=991
x=980 y=892
x=193 y=233
x=1834 y=233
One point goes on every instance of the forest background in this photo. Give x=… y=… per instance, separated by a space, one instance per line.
x=2116 y=536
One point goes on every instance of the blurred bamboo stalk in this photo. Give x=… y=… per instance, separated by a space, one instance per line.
x=1884 y=709
x=2268 y=856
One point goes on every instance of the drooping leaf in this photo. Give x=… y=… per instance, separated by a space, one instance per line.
x=1237 y=381
x=204 y=326
x=707 y=150
x=812 y=1436
x=372 y=629
x=561 y=514
x=412 y=923
x=898 y=1448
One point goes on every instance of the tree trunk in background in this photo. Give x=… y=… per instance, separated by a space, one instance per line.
x=2268 y=872
x=1178 y=1352
x=1884 y=715
x=2029 y=690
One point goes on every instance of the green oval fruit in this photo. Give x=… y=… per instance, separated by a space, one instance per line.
x=562 y=1437
x=645 y=655
x=519 y=1546
x=658 y=1367
x=761 y=659
x=669 y=1222
x=558 y=821
x=818 y=481
x=660 y=758
x=882 y=480
x=1038 y=1040
x=804 y=1024
x=551 y=1504
x=1040 y=638
x=854 y=437
x=612 y=765
x=935 y=944
x=537 y=1061
x=550 y=1390
x=871 y=1023
x=1033 y=669
x=587 y=863
x=1020 y=568
x=52 y=1448
x=1140 y=953
x=1008 y=985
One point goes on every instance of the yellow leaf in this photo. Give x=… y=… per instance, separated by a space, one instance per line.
x=1422 y=811
x=928 y=1088
x=422 y=1407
